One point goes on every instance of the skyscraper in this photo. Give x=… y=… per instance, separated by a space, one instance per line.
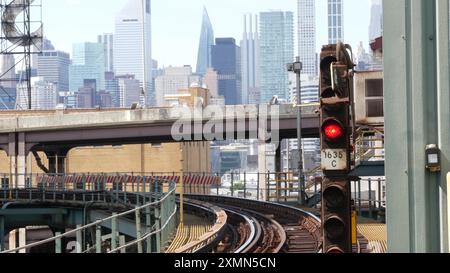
x=7 y=82
x=226 y=60
x=206 y=42
x=112 y=87
x=132 y=44
x=211 y=80
x=335 y=21
x=7 y=71
x=250 y=62
x=174 y=79
x=307 y=36
x=277 y=50
x=53 y=66
x=88 y=61
x=43 y=94
x=129 y=90
x=376 y=20
x=107 y=40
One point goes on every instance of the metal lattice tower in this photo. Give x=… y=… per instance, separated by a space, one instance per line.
x=21 y=36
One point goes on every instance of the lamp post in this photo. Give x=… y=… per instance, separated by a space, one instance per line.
x=182 y=189
x=297 y=67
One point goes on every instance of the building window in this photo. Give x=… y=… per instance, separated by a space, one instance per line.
x=375 y=108
x=374 y=98
x=5 y=183
x=374 y=88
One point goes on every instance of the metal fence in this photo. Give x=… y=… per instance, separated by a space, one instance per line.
x=154 y=212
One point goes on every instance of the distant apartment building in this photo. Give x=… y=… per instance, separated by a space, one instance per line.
x=174 y=79
x=112 y=87
x=129 y=90
x=132 y=45
x=107 y=40
x=307 y=36
x=335 y=21
x=8 y=82
x=309 y=88
x=44 y=95
x=277 y=50
x=53 y=66
x=88 y=61
x=250 y=61
x=104 y=100
x=226 y=60
x=376 y=20
x=211 y=81
x=85 y=98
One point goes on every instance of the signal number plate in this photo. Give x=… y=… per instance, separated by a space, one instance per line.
x=334 y=160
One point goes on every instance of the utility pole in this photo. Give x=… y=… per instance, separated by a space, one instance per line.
x=182 y=188
x=297 y=68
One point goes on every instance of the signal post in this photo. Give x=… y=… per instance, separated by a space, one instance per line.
x=335 y=86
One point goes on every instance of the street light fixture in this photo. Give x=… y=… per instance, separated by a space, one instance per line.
x=297 y=68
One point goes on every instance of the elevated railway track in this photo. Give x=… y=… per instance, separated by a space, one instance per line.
x=145 y=221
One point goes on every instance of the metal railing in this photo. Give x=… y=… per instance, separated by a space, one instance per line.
x=159 y=215
x=210 y=238
x=369 y=145
x=369 y=195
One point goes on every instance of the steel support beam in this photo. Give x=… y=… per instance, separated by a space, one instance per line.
x=2 y=233
x=443 y=74
x=411 y=105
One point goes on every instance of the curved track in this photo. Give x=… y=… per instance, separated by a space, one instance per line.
x=260 y=227
x=241 y=225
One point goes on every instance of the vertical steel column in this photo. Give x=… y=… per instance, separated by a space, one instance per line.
x=98 y=239
x=411 y=121
x=138 y=231
x=245 y=185
x=2 y=233
x=79 y=238
x=148 y=223
x=359 y=198
x=114 y=231
x=370 y=198
x=258 y=188
x=58 y=244
x=443 y=82
x=158 y=226
x=232 y=184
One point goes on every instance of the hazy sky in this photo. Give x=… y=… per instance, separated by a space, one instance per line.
x=176 y=23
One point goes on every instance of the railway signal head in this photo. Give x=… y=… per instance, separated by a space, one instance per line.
x=336 y=212
x=334 y=112
x=335 y=144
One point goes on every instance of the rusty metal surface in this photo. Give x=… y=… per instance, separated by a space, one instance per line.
x=301 y=230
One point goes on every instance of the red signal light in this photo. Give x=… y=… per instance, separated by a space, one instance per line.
x=333 y=130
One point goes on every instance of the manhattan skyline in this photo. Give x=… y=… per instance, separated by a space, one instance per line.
x=176 y=31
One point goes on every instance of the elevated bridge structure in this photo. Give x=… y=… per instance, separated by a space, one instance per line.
x=56 y=132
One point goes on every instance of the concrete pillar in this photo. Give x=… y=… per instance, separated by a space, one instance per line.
x=22 y=160
x=262 y=169
x=12 y=239
x=18 y=159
